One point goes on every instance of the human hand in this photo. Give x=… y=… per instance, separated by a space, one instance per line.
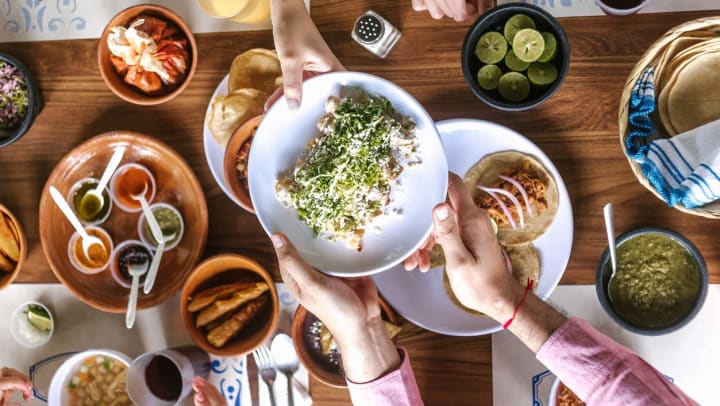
x=302 y=51
x=474 y=262
x=12 y=380
x=349 y=308
x=458 y=10
x=206 y=394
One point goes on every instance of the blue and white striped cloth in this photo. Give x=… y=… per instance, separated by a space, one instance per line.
x=684 y=169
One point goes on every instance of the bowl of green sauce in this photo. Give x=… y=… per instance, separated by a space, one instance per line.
x=660 y=285
x=171 y=224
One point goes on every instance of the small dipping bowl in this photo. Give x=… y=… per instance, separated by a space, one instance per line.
x=77 y=256
x=561 y=395
x=25 y=332
x=124 y=279
x=164 y=214
x=698 y=297
x=75 y=198
x=128 y=180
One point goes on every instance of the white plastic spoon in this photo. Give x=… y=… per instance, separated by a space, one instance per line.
x=97 y=192
x=159 y=237
x=610 y=230
x=86 y=239
x=136 y=271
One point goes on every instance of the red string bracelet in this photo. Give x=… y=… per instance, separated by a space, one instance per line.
x=530 y=284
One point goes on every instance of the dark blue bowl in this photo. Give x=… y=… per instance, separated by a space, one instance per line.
x=35 y=105
x=494 y=20
x=602 y=277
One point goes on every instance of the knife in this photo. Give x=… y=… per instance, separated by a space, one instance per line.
x=253 y=379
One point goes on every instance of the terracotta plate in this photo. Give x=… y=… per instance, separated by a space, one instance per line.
x=177 y=185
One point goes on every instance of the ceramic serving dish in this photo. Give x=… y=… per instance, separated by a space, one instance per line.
x=178 y=186
x=235 y=145
x=223 y=269
x=115 y=82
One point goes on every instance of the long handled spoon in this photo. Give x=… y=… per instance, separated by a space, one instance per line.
x=86 y=239
x=610 y=230
x=97 y=192
x=157 y=235
x=136 y=271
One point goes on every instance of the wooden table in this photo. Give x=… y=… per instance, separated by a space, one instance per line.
x=577 y=128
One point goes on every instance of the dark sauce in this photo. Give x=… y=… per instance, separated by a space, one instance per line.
x=133 y=255
x=622 y=4
x=163 y=378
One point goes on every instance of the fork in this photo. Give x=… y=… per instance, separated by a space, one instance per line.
x=266 y=368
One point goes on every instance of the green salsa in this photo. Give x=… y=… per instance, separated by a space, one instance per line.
x=169 y=223
x=88 y=206
x=657 y=281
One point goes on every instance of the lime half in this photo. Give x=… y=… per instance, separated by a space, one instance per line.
x=528 y=45
x=550 y=48
x=488 y=77
x=514 y=87
x=38 y=317
x=542 y=73
x=514 y=63
x=515 y=24
x=491 y=48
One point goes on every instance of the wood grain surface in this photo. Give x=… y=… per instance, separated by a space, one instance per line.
x=577 y=128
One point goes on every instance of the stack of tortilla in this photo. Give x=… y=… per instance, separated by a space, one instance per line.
x=687 y=77
x=254 y=75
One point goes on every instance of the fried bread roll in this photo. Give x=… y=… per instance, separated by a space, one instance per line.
x=205 y=298
x=220 y=307
x=220 y=335
x=8 y=242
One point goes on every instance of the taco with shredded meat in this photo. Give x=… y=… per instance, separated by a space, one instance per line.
x=517 y=191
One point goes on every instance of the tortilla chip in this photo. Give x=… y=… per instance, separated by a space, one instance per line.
x=525 y=262
x=231 y=327
x=694 y=100
x=221 y=307
x=227 y=113
x=486 y=172
x=8 y=243
x=206 y=297
x=256 y=69
x=6 y=264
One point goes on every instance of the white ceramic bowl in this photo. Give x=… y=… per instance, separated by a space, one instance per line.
x=58 y=394
x=280 y=141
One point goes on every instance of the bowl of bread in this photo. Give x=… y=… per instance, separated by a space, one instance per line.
x=229 y=305
x=13 y=247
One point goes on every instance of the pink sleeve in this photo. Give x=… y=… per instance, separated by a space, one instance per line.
x=603 y=372
x=398 y=388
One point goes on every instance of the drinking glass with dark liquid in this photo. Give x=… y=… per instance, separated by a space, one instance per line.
x=621 y=7
x=165 y=377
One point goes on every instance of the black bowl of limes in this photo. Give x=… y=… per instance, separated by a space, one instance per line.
x=515 y=56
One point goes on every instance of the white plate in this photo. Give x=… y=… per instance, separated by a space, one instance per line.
x=214 y=153
x=420 y=297
x=279 y=142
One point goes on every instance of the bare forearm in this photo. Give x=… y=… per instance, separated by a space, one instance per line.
x=280 y=8
x=368 y=354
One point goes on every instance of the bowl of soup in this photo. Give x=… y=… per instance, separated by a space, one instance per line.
x=91 y=377
x=660 y=284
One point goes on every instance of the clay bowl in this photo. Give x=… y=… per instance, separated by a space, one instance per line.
x=6 y=278
x=115 y=82
x=236 y=142
x=219 y=270
x=177 y=186
x=316 y=363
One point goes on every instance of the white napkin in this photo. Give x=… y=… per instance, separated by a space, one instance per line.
x=685 y=169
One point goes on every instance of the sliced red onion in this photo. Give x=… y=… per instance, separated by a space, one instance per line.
x=512 y=198
x=523 y=192
x=504 y=208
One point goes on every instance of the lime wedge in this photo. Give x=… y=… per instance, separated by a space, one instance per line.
x=491 y=48
x=514 y=86
x=488 y=77
x=528 y=45
x=542 y=74
x=513 y=63
x=38 y=317
x=515 y=24
x=550 y=48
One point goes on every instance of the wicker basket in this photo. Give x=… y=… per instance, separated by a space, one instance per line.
x=651 y=58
